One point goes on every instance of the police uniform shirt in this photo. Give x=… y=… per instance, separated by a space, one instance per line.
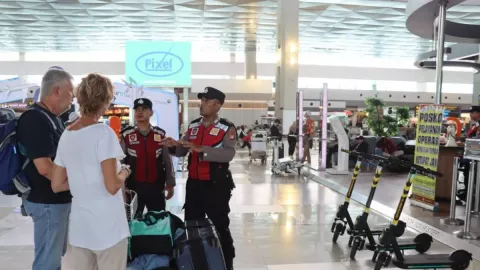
x=222 y=154
x=170 y=177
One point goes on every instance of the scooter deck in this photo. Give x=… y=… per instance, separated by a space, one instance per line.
x=378 y=229
x=424 y=261
x=403 y=244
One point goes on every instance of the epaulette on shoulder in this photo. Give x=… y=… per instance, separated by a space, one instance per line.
x=196 y=120
x=159 y=129
x=126 y=129
x=226 y=122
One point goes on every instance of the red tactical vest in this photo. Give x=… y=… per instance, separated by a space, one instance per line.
x=211 y=136
x=144 y=155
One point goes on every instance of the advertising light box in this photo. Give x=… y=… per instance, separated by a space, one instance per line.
x=159 y=63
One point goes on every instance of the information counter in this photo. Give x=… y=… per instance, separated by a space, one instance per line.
x=446 y=157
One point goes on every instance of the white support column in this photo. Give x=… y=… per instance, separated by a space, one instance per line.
x=251 y=58
x=233 y=59
x=185 y=109
x=21 y=58
x=442 y=17
x=476 y=89
x=287 y=62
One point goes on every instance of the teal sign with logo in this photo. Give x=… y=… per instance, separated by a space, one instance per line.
x=159 y=63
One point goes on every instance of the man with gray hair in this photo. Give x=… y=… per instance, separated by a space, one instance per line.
x=39 y=130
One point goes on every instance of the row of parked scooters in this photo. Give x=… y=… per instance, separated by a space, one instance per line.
x=390 y=241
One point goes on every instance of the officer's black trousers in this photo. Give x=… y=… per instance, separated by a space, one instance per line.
x=150 y=195
x=206 y=197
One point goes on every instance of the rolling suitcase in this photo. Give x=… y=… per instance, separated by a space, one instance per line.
x=199 y=248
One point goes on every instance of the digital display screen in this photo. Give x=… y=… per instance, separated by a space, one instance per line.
x=158 y=63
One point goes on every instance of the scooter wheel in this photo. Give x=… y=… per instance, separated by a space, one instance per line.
x=375 y=256
x=362 y=245
x=400 y=228
x=355 y=246
x=423 y=242
x=380 y=261
x=387 y=260
x=338 y=230
x=461 y=259
x=333 y=227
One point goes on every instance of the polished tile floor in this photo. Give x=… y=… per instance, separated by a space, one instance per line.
x=278 y=223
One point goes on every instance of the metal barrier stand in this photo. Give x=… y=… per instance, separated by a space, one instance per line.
x=476 y=211
x=466 y=233
x=452 y=220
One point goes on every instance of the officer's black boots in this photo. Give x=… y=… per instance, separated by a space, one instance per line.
x=229 y=263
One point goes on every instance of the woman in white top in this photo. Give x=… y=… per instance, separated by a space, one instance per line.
x=87 y=160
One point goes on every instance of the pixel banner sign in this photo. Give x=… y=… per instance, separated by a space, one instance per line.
x=159 y=63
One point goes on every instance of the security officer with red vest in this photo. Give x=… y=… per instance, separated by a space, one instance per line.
x=211 y=143
x=149 y=160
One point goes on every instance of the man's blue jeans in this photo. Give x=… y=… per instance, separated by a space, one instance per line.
x=50 y=233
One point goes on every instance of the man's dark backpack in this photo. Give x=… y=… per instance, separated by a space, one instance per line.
x=12 y=178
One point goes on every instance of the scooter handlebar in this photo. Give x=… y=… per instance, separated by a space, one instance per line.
x=396 y=161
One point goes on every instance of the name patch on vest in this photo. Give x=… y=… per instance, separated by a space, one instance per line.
x=214 y=131
x=157 y=137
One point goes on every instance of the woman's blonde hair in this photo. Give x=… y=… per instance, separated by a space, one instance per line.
x=94 y=94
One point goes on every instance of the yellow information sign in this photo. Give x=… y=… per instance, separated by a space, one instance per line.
x=429 y=127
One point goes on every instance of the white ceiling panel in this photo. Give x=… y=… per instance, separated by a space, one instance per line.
x=367 y=27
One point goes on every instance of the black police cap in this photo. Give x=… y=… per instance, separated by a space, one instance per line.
x=212 y=93
x=475 y=109
x=144 y=102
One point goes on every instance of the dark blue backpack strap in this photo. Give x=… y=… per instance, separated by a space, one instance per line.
x=27 y=160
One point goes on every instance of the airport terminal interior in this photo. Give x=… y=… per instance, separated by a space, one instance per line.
x=357 y=121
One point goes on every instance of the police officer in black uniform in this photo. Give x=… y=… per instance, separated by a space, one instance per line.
x=151 y=164
x=210 y=142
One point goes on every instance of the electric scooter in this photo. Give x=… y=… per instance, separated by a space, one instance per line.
x=388 y=244
x=362 y=231
x=343 y=218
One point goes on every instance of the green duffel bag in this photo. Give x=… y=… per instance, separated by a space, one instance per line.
x=153 y=233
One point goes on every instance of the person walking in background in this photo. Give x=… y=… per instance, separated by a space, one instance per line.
x=38 y=131
x=309 y=132
x=275 y=129
x=292 y=138
x=247 y=142
x=89 y=156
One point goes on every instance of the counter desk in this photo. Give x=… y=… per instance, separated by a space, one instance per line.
x=443 y=186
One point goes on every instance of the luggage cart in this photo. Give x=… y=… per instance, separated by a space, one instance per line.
x=131 y=203
x=259 y=146
x=280 y=165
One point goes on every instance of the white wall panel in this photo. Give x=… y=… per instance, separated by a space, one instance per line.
x=237 y=69
x=236 y=116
